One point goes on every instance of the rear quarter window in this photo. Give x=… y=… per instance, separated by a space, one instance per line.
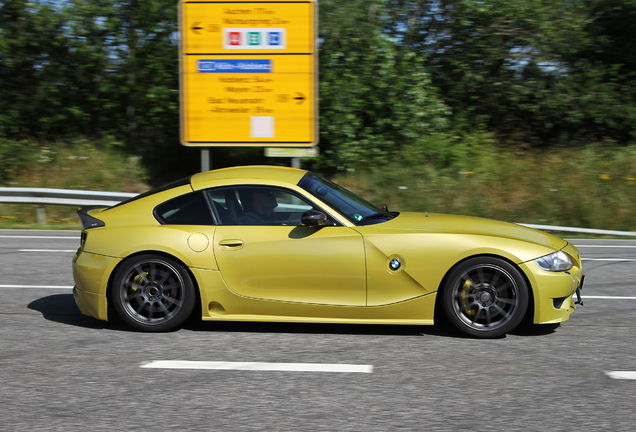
x=189 y=209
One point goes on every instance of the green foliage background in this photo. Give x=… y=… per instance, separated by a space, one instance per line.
x=420 y=86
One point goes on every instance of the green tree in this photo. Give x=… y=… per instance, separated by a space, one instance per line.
x=31 y=44
x=374 y=99
x=127 y=55
x=536 y=72
x=94 y=68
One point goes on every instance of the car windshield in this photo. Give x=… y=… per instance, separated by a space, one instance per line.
x=340 y=199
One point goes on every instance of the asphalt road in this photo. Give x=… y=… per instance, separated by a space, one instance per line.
x=62 y=371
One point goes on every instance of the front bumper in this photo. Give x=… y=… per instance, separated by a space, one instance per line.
x=553 y=292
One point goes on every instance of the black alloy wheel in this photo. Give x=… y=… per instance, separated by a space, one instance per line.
x=153 y=293
x=485 y=297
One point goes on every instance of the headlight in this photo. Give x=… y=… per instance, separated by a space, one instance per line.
x=555 y=262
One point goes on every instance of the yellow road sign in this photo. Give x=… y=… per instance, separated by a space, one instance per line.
x=248 y=73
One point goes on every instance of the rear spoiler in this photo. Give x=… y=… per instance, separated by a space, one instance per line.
x=87 y=220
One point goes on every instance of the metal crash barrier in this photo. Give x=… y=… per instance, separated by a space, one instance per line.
x=42 y=197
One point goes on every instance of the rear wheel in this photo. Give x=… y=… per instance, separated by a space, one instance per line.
x=485 y=297
x=153 y=293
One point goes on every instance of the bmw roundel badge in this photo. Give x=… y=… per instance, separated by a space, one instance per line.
x=395 y=264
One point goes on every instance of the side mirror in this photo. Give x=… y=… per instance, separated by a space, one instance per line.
x=313 y=218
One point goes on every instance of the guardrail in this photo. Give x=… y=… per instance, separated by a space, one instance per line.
x=61 y=196
x=43 y=196
x=580 y=230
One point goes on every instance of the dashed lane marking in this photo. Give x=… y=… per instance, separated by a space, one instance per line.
x=37 y=286
x=609 y=259
x=48 y=250
x=628 y=375
x=40 y=237
x=607 y=246
x=258 y=366
x=585 y=297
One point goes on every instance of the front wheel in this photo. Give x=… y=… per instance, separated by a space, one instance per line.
x=153 y=293
x=485 y=297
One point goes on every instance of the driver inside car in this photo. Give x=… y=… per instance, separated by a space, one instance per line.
x=259 y=207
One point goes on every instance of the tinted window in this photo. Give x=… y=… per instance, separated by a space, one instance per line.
x=189 y=209
x=258 y=205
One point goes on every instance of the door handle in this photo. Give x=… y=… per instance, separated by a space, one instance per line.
x=231 y=244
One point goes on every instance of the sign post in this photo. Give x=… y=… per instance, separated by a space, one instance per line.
x=248 y=73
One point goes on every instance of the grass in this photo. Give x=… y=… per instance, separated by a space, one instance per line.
x=586 y=187
x=57 y=218
x=591 y=187
x=82 y=166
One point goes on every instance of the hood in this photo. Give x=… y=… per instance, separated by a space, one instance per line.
x=408 y=222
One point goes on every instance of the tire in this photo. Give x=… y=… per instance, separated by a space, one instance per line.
x=485 y=297
x=153 y=293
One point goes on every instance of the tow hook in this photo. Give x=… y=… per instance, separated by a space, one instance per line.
x=578 y=297
x=578 y=292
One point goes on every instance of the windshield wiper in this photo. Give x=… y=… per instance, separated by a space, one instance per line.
x=380 y=215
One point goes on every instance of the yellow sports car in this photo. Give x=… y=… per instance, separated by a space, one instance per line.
x=283 y=244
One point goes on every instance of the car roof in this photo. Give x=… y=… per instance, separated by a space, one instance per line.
x=264 y=172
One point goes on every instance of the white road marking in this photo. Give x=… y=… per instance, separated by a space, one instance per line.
x=258 y=366
x=39 y=230
x=628 y=375
x=585 y=297
x=608 y=259
x=47 y=250
x=40 y=237
x=37 y=286
x=605 y=246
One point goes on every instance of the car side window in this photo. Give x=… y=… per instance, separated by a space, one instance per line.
x=188 y=209
x=258 y=205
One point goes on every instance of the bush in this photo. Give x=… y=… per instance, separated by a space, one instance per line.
x=589 y=187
